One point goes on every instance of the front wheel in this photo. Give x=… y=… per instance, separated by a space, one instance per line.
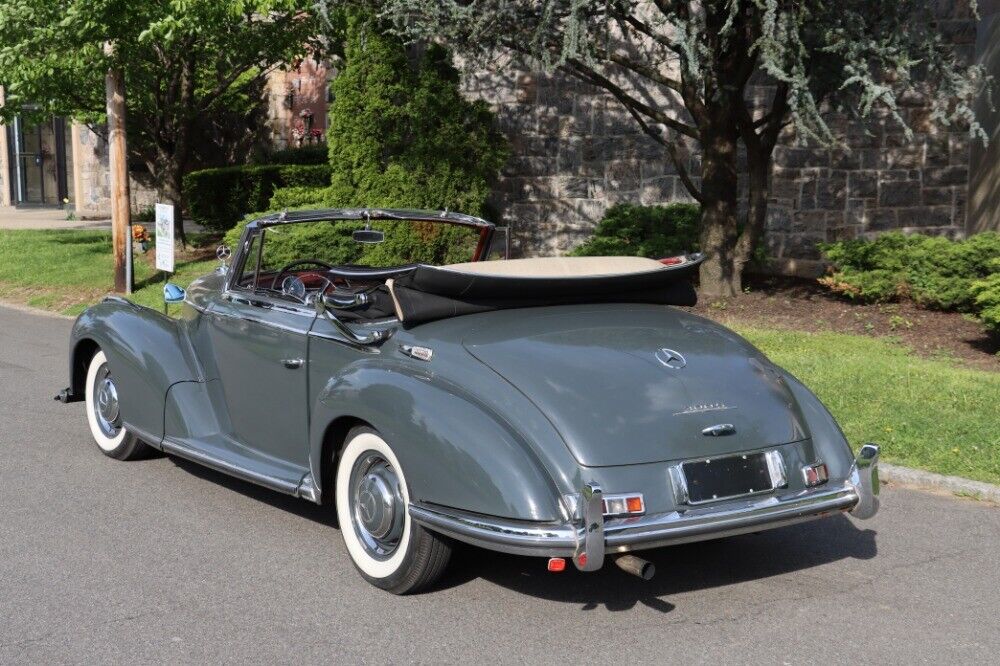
x=104 y=414
x=388 y=549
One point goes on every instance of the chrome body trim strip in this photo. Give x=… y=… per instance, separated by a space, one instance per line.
x=226 y=467
x=564 y=539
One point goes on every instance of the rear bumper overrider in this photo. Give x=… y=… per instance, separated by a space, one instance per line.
x=587 y=539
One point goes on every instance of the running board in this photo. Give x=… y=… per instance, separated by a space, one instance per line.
x=304 y=487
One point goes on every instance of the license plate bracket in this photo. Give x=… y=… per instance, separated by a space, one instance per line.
x=727 y=477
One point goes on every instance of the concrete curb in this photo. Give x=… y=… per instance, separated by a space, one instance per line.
x=953 y=484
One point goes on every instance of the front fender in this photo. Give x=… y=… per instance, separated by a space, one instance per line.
x=147 y=353
x=456 y=453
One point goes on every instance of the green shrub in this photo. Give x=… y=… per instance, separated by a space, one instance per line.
x=401 y=135
x=644 y=231
x=987 y=298
x=931 y=270
x=219 y=198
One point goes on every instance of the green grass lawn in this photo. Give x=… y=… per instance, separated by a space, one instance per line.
x=67 y=270
x=933 y=414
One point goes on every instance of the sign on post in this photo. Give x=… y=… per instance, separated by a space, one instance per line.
x=165 y=237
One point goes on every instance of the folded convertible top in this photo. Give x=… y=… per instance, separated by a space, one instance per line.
x=428 y=293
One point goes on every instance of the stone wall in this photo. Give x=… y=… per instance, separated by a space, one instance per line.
x=576 y=152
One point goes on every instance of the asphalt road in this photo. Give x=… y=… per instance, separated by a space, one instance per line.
x=162 y=561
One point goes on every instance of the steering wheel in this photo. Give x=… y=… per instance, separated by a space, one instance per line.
x=276 y=282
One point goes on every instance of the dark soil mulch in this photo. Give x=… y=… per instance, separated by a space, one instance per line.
x=800 y=304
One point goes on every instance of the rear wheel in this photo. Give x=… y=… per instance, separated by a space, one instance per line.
x=104 y=414
x=388 y=549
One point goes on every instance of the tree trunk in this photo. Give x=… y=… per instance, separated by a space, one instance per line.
x=758 y=171
x=720 y=275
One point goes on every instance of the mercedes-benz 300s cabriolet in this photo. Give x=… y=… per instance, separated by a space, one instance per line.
x=564 y=408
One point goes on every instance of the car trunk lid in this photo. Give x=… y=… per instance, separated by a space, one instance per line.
x=640 y=384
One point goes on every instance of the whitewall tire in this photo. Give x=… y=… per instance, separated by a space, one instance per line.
x=104 y=415
x=388 y=549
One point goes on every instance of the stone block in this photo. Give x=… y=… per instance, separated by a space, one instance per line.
x=831 y=193
x=901 y=193
x=622 y=175
x=657 y=190
x=798 y=158
x=882 y=219
x=950 y=175
x=779 y=219
x=925 y=216
x=654 y=168
x=862 y=183
x=681 y=194
x=804 y=245
x=574 y=187
x=935 y=196
x=809 y=221
x=526 y=88
x=904 y=157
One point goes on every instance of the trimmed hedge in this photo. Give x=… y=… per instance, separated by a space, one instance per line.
x=932 y=271
x=644 y=231
x=220 y=198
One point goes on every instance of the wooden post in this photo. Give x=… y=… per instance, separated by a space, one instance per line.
x=117 y=157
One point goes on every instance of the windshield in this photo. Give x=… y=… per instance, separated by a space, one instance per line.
x=326 y=244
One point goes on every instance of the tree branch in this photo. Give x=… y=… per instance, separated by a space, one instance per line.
x=629 y=101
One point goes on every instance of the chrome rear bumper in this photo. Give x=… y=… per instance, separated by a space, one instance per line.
x=589 y=539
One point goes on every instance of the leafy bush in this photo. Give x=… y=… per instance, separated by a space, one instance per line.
x=645 y=231
x=987 y=297
x=932 y=271
x=400 y=136
x=219 y=198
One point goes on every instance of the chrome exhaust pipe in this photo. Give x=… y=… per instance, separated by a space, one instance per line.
x=636 y=566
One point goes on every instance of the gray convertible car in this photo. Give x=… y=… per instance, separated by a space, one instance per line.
x=563 y=408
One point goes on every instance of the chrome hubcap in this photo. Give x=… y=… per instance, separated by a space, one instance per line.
x=106 y=407
x=377 y=506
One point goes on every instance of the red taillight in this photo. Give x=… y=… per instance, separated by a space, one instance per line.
x=557 y=564
x=815 y=475
x=581 y=560
x=673 y=261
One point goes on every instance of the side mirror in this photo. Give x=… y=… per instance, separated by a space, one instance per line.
x=172 y=293
x=368 y=236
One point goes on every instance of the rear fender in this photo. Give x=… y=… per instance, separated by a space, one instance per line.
x=828 y=440
x=455 y=452
x=147 y=353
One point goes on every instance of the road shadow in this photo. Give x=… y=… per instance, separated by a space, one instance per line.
x=324 y=515
x=683 y=568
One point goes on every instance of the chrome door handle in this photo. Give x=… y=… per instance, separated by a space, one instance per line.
x=292 y=363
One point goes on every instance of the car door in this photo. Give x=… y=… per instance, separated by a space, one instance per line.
x=260 y=346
